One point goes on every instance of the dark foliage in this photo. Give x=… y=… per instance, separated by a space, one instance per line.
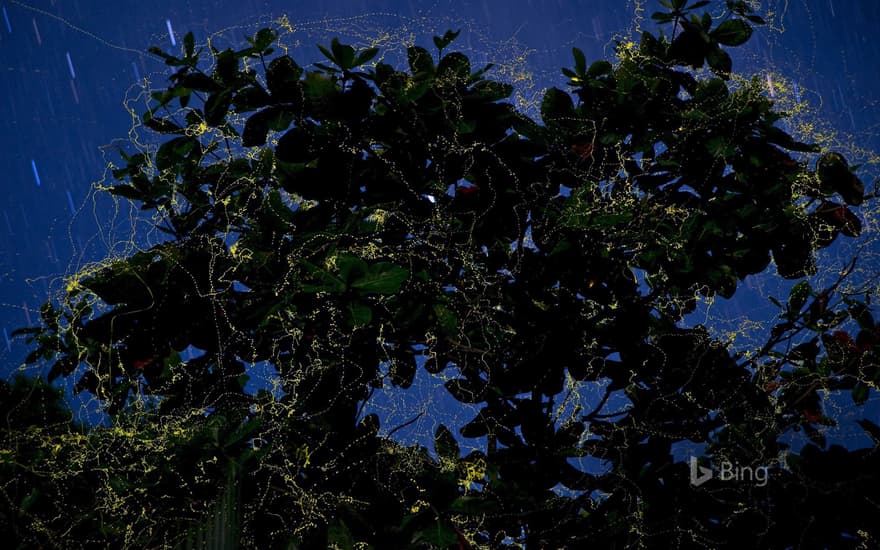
x=364 y=213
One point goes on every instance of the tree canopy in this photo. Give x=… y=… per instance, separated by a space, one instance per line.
x=351 y=222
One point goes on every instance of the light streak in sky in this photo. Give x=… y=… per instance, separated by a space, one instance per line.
x=70 y=202
x=6 y=336
x=770 y=86
x=37 y=32
x=797 y=93
x=36 y=174
x=170 y=32
x=75 y=95
x=27 y=314
x=70 y=66
x=137 y=73
x=6 y=17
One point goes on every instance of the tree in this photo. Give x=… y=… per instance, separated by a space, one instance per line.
x=338 y=223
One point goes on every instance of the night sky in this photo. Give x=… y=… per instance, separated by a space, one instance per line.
x=66 y=68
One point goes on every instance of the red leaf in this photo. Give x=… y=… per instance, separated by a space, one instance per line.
x=812 y=416
x=583 y=150
x=143 y=363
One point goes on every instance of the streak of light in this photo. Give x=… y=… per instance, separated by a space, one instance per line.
x=52 y=257
x=170 y=32
x=37 y=32
x=36 y=174
x=27 y=313
x=51 y=102
x=137 y=73
x=770 y=86
x=797 y=93
x=6 y=337
x=8 y=223
x=831 y=5
x=74 y=27
x=597 y=29
x=75 y=95
x=842 y=97
x=6 y=17
x=70 y=202
x=70 y=66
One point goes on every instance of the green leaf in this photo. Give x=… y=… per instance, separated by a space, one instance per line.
x=243 y=431
x=251 y=99
x=360 y=314
x=217 y=106
x=30 y=499
x=860 y=393
x=473 y=505
x=263 y=39
x=438 y=535
x=445 y=444
x=365 y=56
x=319 y=86
x=798 y=296
x=490 y=90
x=127 y=192
x=756 y=20
x=872 y=429
x=173 y=151
x=382 y=278
x=226 y=67
x=720 y=62
x=599 y=68
x=662 y=17
x=447 y=39
x=256 y=130
x=189 y=44
x=580 y=61
x=454 y=66
x=719 y=147
x=343 y=54
x=169 y=59
x=464 y=390
x=162 y=125
x=339 y=536
x=732 y=32
x=420 y=62
x=556 y=105
x=446 y=318
x=475 y=428
x=200 y=83
x=282 y=77
x=351 y=268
